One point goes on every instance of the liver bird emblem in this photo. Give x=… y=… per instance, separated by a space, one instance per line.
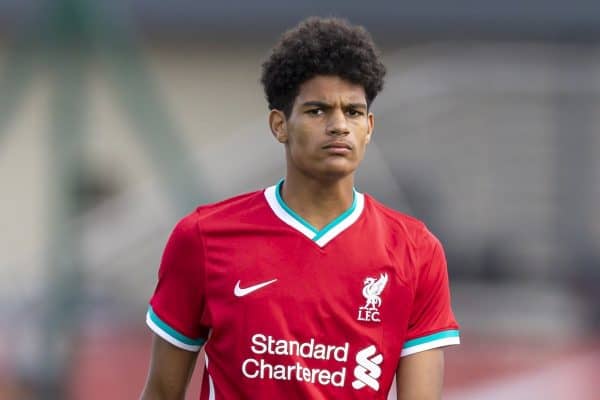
x=372 y=291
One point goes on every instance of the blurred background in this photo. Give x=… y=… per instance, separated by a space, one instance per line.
x=119 y=117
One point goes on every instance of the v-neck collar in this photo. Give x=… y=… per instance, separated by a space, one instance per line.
x=320 y=237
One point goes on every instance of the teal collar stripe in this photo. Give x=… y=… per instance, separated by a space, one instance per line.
x=339 y=219
x=431 y=338
x=172 y=332
x=323 y=236
x=326 y=228
x=292 y=212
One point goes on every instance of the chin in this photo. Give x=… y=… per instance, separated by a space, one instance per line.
x=329 y=169
x=337 y=171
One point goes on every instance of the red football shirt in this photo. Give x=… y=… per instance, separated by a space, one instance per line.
x=288 y=311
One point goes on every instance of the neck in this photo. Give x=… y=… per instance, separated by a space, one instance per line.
x=316 y=201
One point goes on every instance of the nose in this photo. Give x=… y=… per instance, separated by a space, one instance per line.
x=337 y=124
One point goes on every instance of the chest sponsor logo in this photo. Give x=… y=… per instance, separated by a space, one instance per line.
x=373 y=287
x=311 y=362
x=241 y=292
x=293 y=356
x=367 y=370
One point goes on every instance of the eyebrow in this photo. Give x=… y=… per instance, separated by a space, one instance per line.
x=322 y=104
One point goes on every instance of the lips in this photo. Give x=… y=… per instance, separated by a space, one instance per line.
x=338 y=145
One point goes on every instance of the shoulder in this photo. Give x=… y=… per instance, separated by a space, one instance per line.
x=227 y=210
x=232 y=205
x=219 y=214
x=399 y=223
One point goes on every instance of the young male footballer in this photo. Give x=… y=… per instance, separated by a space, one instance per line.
x=308 y=289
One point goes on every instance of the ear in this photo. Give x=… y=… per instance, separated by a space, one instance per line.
x=371 y=125
x=278 y=125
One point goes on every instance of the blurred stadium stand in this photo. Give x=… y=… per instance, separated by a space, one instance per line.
x=117 y=117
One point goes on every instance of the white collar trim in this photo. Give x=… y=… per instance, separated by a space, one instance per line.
x=320 y=237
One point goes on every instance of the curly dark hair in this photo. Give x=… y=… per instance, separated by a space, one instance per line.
x=321 y=46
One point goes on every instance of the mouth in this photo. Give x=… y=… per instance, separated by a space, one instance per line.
x=338 y=145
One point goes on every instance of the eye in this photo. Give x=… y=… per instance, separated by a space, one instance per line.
x=314 y=111
x=354 y=113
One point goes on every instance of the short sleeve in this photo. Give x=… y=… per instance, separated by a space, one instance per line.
x=177 y=305
x=432 y=323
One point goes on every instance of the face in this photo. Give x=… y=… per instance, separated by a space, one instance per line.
x=328 y=129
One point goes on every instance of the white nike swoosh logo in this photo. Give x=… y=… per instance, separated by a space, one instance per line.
x=240 y=292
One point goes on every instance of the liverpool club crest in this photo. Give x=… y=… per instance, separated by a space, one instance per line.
x=372 y=293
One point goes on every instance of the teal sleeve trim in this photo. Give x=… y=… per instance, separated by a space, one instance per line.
x=172 y=332
x=431 y=338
